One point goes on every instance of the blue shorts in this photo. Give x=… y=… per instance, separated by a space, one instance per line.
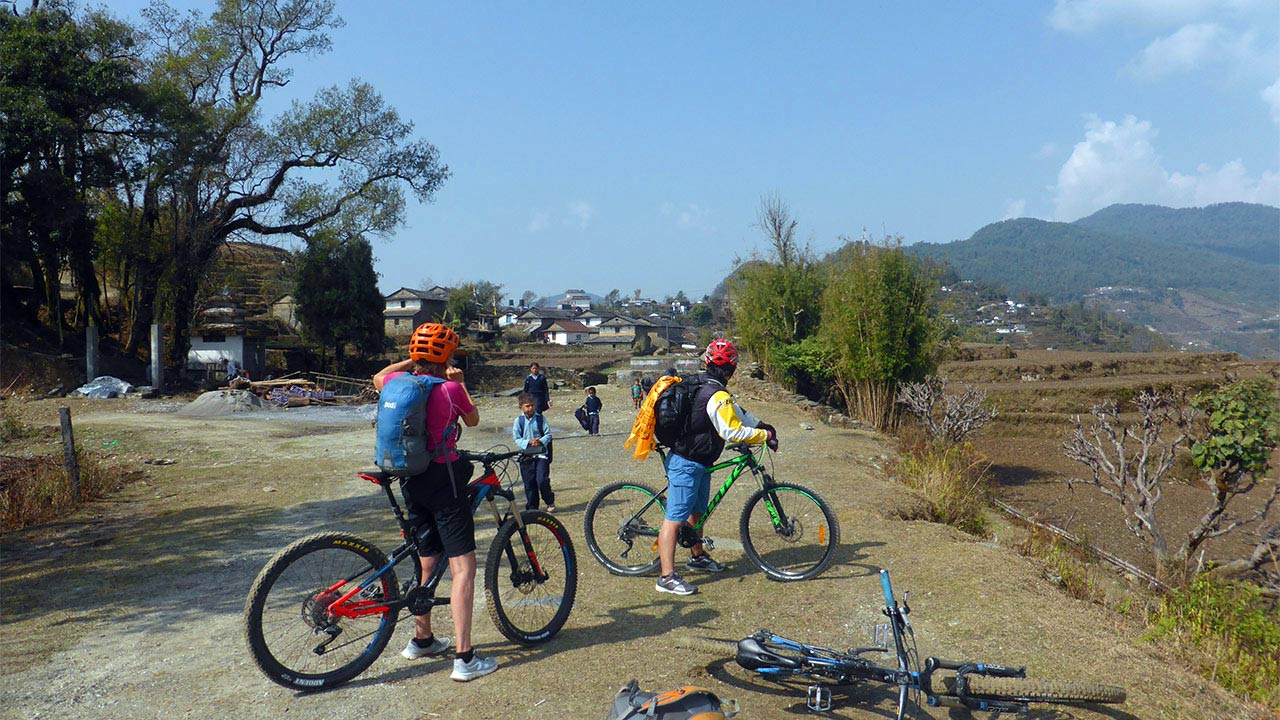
x=688 y=488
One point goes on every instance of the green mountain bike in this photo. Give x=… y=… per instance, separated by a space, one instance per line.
x=787 y=530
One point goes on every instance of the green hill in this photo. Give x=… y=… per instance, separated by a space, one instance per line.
x=1230 y=252
x=1243 y=230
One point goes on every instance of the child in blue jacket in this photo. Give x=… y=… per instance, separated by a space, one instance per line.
x=530 y=430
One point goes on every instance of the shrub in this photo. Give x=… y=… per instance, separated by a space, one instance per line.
x=35 y=490
x=1227 y=630
x=1065 y=563
x=955 y=482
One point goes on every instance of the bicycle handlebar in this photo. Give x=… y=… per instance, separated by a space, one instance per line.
x=487 y=458
x=887 y=588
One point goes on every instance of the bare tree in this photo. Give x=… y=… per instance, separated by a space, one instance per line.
x=775 y=221
x=950 y=418
x=1130 y=462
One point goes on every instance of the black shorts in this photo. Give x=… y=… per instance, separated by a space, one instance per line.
x=441 y=519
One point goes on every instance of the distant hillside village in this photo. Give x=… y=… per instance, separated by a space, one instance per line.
x=248 y=320
x=569 y=320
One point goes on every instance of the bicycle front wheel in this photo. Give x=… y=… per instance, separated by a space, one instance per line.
x=789 y=532
x=1039 y=691
x=531 y=578
x=621 y=527
x=293 y=638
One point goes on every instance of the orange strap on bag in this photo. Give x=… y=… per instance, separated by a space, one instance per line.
x=642 y=429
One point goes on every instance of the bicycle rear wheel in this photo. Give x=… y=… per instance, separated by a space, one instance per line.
x=1039 y=691
x=789 y=532
x=621 y=527
x=291 y=636
x=527 y=609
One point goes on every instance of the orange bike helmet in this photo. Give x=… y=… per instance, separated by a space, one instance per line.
x=432 y=342
x=721 y=352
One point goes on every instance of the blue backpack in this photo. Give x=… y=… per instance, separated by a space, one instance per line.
x=401 y=446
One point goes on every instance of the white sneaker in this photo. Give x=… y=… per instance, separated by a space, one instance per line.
x=478 y=667
x=413 y=651
x=674 y=584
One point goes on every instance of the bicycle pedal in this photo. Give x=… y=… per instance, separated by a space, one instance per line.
x=819 y=699
x=708 y=544
x=882 y=634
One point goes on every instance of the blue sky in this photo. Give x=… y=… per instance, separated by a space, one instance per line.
x=604 y=146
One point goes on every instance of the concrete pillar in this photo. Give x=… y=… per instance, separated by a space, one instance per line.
x=157 y=358
x=91 y=352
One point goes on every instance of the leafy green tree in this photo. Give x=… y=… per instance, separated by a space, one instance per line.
x=881 y=323
x=338 y=299
x=342 y=159
x=776 y=301
x=69 y=88
x=467 y=301
x=700 y=315
x=612 y=299
x=1234 y=456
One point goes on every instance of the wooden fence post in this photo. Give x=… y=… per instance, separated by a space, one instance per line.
x=69 y=452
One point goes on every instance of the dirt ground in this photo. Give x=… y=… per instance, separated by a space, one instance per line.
x=133 y=607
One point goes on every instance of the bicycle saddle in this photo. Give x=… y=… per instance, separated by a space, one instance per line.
x=753 y=656
x=377 y=477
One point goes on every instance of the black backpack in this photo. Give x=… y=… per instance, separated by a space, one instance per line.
x=687 y=702
x=673 y=409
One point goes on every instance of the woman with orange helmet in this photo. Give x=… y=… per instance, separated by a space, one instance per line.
x=438 y=497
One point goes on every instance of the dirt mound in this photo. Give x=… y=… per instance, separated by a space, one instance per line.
x=220 y=403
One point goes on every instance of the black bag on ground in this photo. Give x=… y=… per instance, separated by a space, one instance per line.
x=581 y=415
x=687 y=702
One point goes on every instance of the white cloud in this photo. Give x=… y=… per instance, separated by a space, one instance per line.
x=539 y=222
x=580 y=213
x=1118 y=163
x=689 y=216
x=1080 y=16
x=1014 y=209
x=1193 y=47
x=1271 y=96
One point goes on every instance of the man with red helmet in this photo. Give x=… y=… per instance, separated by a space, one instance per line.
x=715 y=420
x=438 y=497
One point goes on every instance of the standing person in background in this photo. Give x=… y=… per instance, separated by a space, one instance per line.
x=535 y=383
x=593 y=406
x=531 y=432
x=637 y=392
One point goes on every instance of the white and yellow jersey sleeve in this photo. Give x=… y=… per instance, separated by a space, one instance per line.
x=732 y=422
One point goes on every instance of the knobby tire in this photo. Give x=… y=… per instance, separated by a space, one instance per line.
x=524 y=609
x=607 y=535
x=804 y=547
x=284 y=619
x=1040 y=691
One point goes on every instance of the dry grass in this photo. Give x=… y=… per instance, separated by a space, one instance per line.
x=953 y=479
x=36 y=490
x=1066 y=564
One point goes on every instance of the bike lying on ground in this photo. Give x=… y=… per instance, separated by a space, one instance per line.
x=324 y=608
x=787 y=530
x=974 y=685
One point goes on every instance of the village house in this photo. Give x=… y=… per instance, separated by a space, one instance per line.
x=566 y=332
x=407 y=308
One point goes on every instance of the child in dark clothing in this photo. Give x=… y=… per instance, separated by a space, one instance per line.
x=530 y=431
x=593 y=406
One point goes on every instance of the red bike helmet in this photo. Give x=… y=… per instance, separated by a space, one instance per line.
x=432 y=342
x=721 y=352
